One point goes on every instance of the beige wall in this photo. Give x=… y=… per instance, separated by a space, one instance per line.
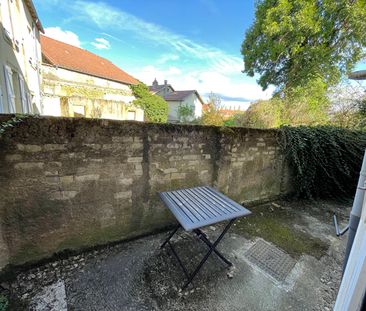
x=101 y=98
x=80 y=182
x=21 y=52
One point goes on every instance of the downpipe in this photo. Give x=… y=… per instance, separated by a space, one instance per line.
x=356 y=210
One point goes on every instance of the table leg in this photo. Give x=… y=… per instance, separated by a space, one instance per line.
x=204 y=239
x=170 y=236
x=212 y=248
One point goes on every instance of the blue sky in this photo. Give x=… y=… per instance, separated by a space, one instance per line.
x=194 y=44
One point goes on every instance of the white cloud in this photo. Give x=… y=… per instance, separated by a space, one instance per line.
x=101 y=44
x=105 y=16
x=206 y=82
x=66 y=36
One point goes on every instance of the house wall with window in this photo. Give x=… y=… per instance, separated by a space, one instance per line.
x=73 y=94
x=20 y=55
x=191 y=100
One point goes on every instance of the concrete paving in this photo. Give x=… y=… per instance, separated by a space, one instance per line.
x=138 y=275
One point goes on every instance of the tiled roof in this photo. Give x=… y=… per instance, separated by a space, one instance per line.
x=158 y=88
x=181 y=95
x=70 y=57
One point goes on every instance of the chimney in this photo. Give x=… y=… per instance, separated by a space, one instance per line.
x=165 y=82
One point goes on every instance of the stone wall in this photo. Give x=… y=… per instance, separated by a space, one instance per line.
x=69 y=183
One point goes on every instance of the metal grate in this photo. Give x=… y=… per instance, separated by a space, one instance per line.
x=271 y=259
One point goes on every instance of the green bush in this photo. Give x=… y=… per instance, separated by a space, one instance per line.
x=325 y=160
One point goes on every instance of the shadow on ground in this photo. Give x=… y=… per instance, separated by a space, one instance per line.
x=138 y=275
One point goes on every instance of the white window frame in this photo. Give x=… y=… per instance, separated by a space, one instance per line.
x=8 y=72
x=23 y=95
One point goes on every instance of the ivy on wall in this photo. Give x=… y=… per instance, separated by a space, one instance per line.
x=155 y=108
x=325 y=160
x=12 y=122
x=82 y=91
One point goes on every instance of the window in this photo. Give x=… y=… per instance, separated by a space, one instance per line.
x=10 y=89
x=131 y=115
x=17 y=94
x=6 y=18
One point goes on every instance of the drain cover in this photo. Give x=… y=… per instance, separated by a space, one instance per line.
x=271 y=259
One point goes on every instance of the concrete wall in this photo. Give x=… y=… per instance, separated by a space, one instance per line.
x=69 y=183
x=101 y=98
x=21 y=52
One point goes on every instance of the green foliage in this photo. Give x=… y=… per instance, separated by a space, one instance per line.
x=348 y=106
x=155 y=107
x=3 y=302
x=186 y=113
x=325 y=160
x=299 y=105
x=12 y=122
x=293 y=41
x=212 y=115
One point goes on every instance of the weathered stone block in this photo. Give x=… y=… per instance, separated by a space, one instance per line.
x=54 y=147
x=29 y=148
x=89 y=177
x=13 y=157
x=125 y=181
x=123 y=195
x=178 y=176
x=134 y=159
x=68 y=179
x=191 y=157
x=170 y=170
x=29 y=165
x=62 y=195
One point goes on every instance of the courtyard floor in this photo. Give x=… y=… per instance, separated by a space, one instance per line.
x=286 y=257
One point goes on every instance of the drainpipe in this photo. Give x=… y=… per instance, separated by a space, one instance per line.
x=356 y=210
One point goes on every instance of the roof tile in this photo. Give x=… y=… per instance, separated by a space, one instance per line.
x=73 y=58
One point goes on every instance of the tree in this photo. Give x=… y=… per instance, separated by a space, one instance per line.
x=185 y=113
x=296 y=106
x=293 y=42
x=212 y=115
x=155 y=107
x=348 y=105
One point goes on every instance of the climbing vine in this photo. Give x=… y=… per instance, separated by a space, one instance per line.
x=325 y=161
x=12 y=122
x=155 y=107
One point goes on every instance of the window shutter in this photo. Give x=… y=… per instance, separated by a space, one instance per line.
x=1 y=101
x=23 y=95
x=29 y=102
x=10 y=88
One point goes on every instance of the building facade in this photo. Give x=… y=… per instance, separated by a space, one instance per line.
x=177 y=99
x=78 y=83
x=20 y=57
